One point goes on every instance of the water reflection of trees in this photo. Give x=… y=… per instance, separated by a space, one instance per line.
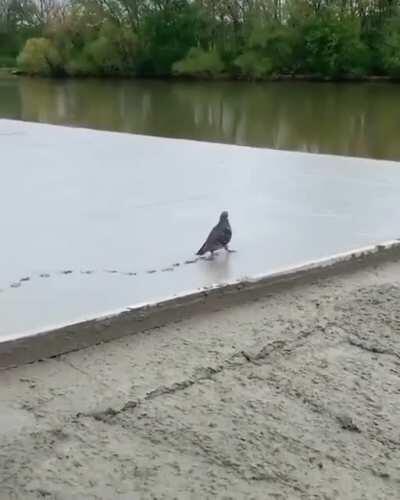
x=10 y=106
x=358 y=120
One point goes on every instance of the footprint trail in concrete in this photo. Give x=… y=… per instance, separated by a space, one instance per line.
x=88 y=272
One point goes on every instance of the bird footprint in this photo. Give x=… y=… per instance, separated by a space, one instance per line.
x=66 y=272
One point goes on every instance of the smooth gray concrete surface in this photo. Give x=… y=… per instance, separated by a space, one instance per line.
x=82 y=211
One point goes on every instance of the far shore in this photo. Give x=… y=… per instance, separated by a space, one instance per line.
x=14 y=71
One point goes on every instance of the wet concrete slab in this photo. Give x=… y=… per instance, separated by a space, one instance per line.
x=94 y=222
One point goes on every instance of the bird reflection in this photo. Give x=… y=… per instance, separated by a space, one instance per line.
x=217 y=270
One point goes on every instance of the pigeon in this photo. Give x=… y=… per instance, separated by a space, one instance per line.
x=219 y=237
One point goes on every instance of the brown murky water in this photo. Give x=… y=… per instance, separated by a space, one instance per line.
x=345 y=119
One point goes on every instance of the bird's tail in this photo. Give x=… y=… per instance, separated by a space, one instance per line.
x=202 y=250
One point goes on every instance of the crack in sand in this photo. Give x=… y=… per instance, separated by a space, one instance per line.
x=238 y=359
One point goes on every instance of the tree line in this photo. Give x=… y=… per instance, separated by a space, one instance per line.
x=248 y=39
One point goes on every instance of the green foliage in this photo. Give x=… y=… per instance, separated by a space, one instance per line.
x=200 y=63
x=275 y=42
x=112 y=52
x=203 y=38
x=40 y=57
x=254 y=67
x=11 y=43
x=7 y=62
x=390 y=48
x=333 y=47
x=166 y=35
x=81 y=65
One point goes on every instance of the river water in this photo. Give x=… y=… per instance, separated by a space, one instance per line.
x=350 y=119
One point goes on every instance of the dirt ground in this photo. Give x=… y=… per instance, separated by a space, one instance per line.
x=293 y=394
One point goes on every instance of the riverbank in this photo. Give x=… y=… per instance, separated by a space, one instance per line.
x=8 y=72
x=292 y=394
x=295 y=78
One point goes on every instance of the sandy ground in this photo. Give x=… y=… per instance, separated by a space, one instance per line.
x=287 y=395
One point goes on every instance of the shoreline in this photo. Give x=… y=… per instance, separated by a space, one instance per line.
x=291 y=394
x=8 y=72
x=222 y=78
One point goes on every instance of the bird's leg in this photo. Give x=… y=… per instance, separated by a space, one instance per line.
x=211 y=257
x=228 y=249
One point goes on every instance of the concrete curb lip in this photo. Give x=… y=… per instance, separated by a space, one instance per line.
x=64 y=338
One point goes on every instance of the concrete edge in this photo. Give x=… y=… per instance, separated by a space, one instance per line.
x=72 y=337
